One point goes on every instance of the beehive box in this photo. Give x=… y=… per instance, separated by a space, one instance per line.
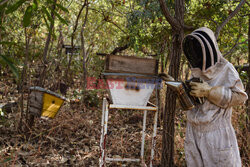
x=131 y=64
x=44 y=103
x=130 y=80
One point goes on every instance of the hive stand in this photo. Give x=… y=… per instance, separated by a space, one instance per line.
x=135 y=79
x=104 y=128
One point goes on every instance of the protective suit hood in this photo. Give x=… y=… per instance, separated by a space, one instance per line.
x=206 y=53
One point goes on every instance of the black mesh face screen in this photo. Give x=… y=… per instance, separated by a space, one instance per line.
x=208 y=56
x=211 y=44
x=193 y=52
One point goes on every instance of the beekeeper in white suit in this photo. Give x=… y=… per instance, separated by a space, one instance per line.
x=210 y=138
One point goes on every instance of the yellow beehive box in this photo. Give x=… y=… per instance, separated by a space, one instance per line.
x=44 y=103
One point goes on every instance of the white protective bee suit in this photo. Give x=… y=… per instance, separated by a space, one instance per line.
x=210 y=138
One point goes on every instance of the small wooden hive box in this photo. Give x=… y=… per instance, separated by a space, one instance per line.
x=44 y=103
x=131 y=80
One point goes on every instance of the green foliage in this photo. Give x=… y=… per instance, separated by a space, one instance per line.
x=45 y=19
x=35 y=4
x=33 y=7
x=27 y=16
x=15 y=6
x=147 y=27
x=89 y=97
x=46 y=12
x=60 y=18
x=5 y=60
x=2 y=8
x=7 y=43
x=244 y=76
x=115 y=23
x=62 y=8
x=6 y=160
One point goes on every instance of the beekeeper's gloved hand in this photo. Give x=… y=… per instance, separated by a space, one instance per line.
x=218 y=95
x=200 y=89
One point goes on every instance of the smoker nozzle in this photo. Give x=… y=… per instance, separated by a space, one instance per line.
x=175 y=85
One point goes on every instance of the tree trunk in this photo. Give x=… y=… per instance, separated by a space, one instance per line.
x=1 y=22
x=0 y=52
x=46 y=48
x=83 y=49
x=84 y=57
x=60 y=43
x=169 y=113
x=23 y=78
x=72 y=40
x=247 y=129
x=84 y=63
x=248 y=73
x=45 y=53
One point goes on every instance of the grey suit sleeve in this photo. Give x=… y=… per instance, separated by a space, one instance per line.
x=227 y=97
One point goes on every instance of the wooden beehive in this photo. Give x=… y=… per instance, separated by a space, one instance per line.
x=131 y=80
x=131 y=64
x=44 y=103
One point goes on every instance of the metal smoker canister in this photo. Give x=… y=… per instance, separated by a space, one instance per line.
x=179 y=88
x=184 y=99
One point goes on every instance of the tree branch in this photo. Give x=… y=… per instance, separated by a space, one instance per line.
x=107 y=19
x=102 y=54
x=76 y=25
x=219 y=28
x=3 y=2
x=119 y=49
x=82 y=30
x=236 y=42
x=172 y=21
x=110 y=21
x=83 y=49
x=116 y=50
x=242 y=67
x=248 y=3
x=72 y=38
x=86 y=15
x=78 y=16
x=189 y=28
x=232 y=49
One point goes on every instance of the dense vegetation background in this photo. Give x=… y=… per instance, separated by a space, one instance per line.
x=33 y=36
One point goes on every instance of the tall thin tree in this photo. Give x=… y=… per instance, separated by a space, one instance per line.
x=83 y=49
x=46 y=47
x=177 y=24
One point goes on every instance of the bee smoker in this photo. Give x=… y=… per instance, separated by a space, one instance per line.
x=183 y=89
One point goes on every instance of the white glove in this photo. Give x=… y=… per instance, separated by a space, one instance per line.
x=218 y=95
x=200 y=89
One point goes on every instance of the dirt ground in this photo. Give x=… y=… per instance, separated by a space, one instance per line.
x=73 y=137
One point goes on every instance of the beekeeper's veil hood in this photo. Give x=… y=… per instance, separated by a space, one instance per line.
x=201 y=50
